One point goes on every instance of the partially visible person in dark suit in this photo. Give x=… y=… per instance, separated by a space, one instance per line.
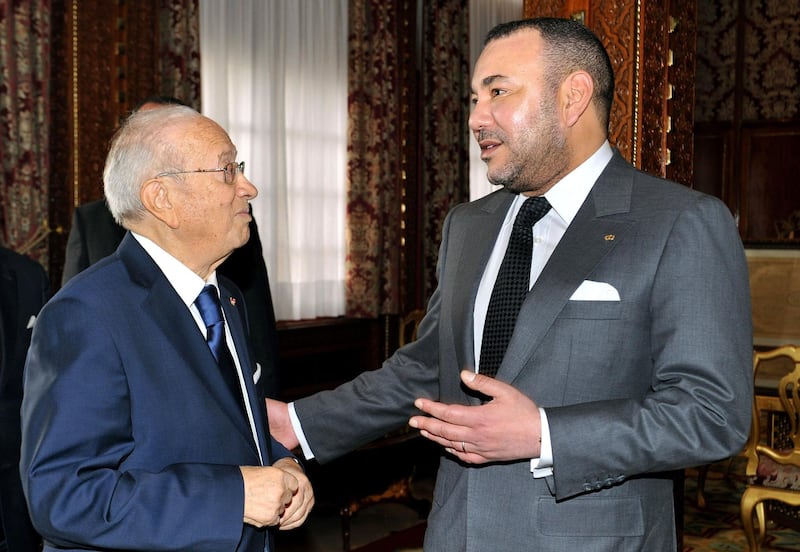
x=94 y=235
x=142 y=426
x=24 y=289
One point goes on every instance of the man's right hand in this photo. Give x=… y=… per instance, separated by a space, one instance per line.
x=267 y=492
x=280 y=426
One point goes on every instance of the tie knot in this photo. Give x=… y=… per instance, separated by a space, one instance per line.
x=208 y=305
x=531 y=211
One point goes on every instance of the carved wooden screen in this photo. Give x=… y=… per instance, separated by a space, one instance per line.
x=107 y=56
x=651 y=45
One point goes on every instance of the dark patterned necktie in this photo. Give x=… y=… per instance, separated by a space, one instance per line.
x=211 y=312
x=511 y=286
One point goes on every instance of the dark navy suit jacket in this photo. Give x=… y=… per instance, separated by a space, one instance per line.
x=94 y=235
x=131 y=438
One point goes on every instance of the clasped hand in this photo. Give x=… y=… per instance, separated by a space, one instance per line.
x=280 y=494
x=506 y=427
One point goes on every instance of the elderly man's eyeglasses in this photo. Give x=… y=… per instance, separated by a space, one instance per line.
x=231 y=170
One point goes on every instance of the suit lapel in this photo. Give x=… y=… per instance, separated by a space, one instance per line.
x=168 y=311
x=475 y=237
x=257 y=405
x=588 y=239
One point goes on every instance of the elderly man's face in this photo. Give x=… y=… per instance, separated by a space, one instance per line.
x=214 y=214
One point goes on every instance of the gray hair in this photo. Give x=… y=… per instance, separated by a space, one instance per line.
x=142 y=148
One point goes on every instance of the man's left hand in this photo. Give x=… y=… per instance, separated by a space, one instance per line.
x=507 y=427
x=302 y=501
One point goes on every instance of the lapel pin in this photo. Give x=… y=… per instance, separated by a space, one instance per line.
x=609 y=237
x=232 y=300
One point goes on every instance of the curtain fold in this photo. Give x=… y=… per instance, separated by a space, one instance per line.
x=25 y=46
x=445 y=113
x=179 y=49
x=374 y=191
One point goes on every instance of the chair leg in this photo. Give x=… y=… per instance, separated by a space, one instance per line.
x=748 y=502
x=702 y=473
x=345 y=515
x=761 y=516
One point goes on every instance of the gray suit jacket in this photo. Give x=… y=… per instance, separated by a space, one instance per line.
x=657 y=381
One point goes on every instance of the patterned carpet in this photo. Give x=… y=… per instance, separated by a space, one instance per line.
x=717 y=527
x=395 y=528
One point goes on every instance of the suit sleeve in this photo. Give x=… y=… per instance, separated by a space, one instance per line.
x=696 y=348
x=85 y=478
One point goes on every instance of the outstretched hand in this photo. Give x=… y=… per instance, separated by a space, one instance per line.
x=507 y=427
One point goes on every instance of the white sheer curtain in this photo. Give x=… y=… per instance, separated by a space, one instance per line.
x=483 y=15
x=274 y=74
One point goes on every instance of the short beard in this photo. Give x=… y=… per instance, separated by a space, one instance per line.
x=539 y=171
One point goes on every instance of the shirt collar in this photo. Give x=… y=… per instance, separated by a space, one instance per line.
x=567 y=196
x=186 y=283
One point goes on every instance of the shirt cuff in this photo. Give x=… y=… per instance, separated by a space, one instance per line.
x=298 y=430
x=543 y=466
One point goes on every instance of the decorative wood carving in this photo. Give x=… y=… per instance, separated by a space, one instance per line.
x=651 y=64
x=105 y=59
x=681 y=92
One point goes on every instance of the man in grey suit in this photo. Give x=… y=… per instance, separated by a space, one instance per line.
x=630 y=356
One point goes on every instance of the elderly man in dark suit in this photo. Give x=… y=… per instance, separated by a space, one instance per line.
x=142 y=424
x=24 y=289
x=94 y=235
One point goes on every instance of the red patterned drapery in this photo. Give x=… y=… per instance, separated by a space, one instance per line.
x=374 y=157
x=444 y=130
x=179 y=50
x=24 y=125
x=62 y=94
x=390 y=189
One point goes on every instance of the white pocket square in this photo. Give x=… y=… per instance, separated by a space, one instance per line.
x=595 y=291
x=31 y=322
x=257 y=373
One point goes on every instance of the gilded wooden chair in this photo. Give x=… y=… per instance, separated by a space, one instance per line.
x=773 y=456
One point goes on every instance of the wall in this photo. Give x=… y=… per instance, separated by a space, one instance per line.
x=747 y=116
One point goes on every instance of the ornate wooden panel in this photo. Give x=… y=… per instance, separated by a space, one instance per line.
x=748 y=112
x=770 y=196
x=651 y=46
x=681 y=91
x=107 y=56
x=114 y=63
